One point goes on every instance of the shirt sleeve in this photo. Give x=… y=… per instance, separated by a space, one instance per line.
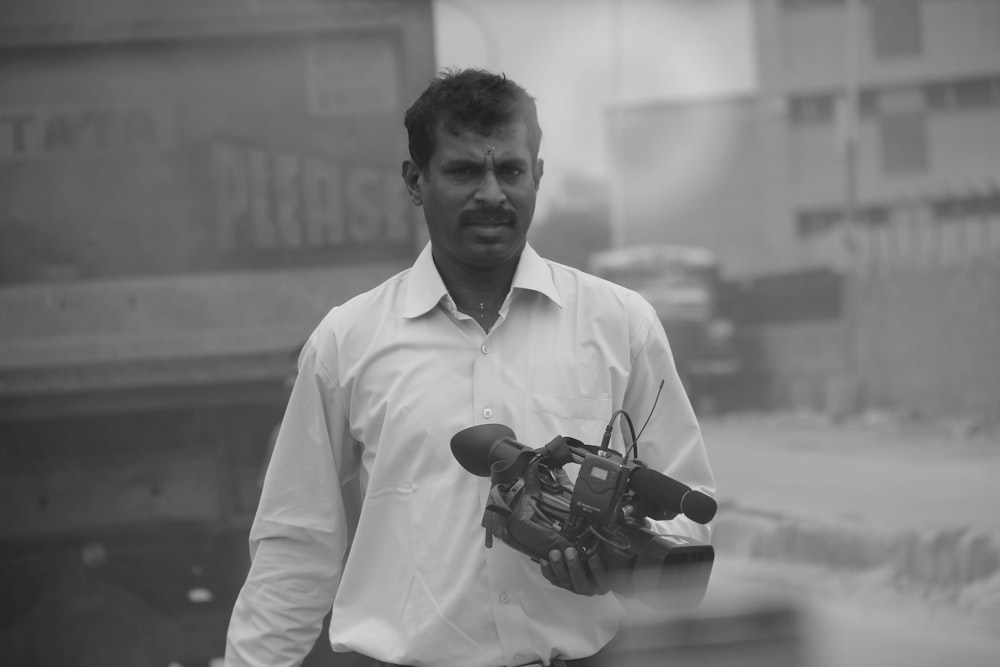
x=671 y=442
x=300 y=533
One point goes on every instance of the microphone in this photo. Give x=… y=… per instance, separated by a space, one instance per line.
x=477 y=447
x=668 y=493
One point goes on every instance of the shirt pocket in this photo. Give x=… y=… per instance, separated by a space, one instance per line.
x=580 y=417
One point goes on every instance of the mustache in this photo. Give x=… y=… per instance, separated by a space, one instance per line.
x=483 y=216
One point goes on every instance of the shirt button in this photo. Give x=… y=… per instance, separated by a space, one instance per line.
x=504 y=598
x=488 y=412
x=485 y=348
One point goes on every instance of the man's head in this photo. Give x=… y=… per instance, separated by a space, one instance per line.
x=472 y=99
x=474 y=167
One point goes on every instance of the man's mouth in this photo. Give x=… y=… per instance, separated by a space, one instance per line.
x=480 y=219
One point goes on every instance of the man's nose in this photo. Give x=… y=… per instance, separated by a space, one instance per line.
x=489 y=192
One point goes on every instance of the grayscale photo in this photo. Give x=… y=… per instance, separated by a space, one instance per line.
x=499 y=333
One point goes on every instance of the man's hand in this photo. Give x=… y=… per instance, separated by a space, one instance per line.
x=584 y=577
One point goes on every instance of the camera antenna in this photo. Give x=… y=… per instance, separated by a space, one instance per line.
x=635 y=442
x=634 y=448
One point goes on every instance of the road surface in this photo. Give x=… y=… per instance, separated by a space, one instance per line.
x=847 y=620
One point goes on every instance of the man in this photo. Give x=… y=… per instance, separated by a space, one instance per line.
x=480 y=330
x=289 y=382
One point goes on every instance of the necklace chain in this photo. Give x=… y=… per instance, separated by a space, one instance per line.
x=482 y=312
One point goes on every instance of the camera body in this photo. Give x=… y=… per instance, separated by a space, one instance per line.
x=534 y=507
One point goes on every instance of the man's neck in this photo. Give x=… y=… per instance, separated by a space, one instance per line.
x=475 y=291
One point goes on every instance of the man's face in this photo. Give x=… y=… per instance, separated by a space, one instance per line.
x=478 y=195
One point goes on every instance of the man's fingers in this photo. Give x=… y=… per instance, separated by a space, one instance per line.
x=602 y=581
x=584 y=576
x=547 y=573
x=559 y=572
x=579 y=581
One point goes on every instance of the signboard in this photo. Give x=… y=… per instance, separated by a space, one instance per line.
x=201 y=156
x=56 y=22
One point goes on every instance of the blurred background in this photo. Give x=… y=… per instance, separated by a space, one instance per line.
x=808 y=191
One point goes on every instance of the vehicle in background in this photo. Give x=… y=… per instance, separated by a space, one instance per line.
x=683 y=284
x=185 y=190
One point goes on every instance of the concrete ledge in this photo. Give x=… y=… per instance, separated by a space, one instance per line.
x=951 y=558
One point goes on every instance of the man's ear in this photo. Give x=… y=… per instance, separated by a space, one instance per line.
x=537 y=171
x=411 y=177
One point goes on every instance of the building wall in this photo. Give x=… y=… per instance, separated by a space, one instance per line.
x=803 y=41
x=763 y=183
x=928 y=126
x=920 y=324
x=924 y=339
x=929 y=338
x=923 y=242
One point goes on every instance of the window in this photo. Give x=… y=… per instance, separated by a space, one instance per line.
x=904 y=142
x=805 y=4
x=964 y=207
x=817 y=221
x=897 y=28
x=868 y=102
x=964 y=94
x=819 y=108
x=806 y=109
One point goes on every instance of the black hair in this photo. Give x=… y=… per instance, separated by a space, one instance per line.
x=474 y=99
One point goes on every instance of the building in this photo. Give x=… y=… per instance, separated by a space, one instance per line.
x=769 y=179
x=871 y=153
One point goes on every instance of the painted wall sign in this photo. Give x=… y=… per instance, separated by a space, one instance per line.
x=267 y=200
x=352 y=77
x=29 y=133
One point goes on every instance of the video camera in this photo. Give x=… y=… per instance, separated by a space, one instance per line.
x=534 y=508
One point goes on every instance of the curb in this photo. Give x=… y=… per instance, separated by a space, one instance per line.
x=952 y=559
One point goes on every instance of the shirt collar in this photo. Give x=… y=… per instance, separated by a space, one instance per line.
x=425 y=288
x=533 y=273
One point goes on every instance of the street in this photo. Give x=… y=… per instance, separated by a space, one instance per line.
x=780 y=615
x=879 y=471
x=876 y=478
x=851 y=621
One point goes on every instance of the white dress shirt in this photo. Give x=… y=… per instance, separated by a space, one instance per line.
x=384 y=382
